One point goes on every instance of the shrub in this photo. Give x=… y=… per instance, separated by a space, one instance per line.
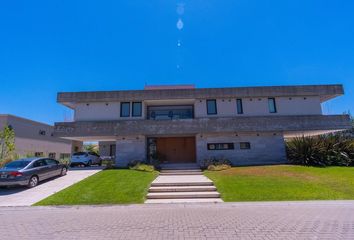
x=218 y=167
x=326 y=150
x=133 y=163
x=143 y=167
x=65 y=161
x=109 y=163
x=213 y=162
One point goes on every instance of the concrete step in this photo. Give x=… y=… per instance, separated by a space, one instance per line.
x=184 y=200
x=172 y=184
x=180 y=173
x=179 y=166
x=181 y=170
x=183 y=189
x=177 y=195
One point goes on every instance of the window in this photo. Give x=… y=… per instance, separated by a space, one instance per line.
x=39 y=163
x=64 y=155
x=18 y=164
x=170 y=112
x=38 y=154
x=125 y=109
x=137 y=109
x=42 y=132
x=245 y=145
x=112 y=150
x=271 y=105
x=51 y=162
x=211 y=107
x=51 y=155
x=239 y=106
x=221 y=146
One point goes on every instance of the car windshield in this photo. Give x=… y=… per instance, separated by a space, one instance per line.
x=17 y=164
x=79 y=154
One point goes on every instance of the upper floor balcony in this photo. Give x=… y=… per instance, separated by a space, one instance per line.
x=170 y=112
x=174 y=104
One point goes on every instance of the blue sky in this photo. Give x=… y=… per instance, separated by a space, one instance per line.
x=52 y=46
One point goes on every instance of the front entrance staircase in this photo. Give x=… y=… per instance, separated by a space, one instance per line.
x=182 y=183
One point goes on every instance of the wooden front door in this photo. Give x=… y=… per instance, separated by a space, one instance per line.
x=176 y=149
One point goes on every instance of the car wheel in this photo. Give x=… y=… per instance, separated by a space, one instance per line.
x=33 y=182
x=64 y=170
x=89 y=163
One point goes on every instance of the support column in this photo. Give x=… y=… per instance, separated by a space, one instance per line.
x=76 y=146
x=130 y=148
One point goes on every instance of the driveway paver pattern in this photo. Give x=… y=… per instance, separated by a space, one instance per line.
x=272 y=220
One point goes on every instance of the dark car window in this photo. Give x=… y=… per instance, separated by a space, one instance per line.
x=17 y=164
x=79 y=154
x=39 y=163
x=51 y=161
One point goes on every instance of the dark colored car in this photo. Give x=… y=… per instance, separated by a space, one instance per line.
x=30 y=171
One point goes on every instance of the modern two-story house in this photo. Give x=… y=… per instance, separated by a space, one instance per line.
x=180 y=124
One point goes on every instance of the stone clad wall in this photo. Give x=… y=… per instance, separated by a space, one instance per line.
x=265 y=148
x=105 y=147
x=130 y=148
x=197 y=125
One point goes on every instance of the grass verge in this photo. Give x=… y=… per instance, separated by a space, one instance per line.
x=284 y=183
x=105 y=187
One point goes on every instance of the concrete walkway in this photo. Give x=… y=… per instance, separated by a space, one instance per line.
x=21 y=196
x=245 y=221
x=178 y=185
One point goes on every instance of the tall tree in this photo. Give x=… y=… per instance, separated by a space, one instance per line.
x=91 y=148
x=7 y=142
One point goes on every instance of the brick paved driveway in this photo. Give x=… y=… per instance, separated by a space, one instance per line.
x=296 y=220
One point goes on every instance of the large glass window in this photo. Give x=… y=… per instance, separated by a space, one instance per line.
x=239 y=106
x=211 y=107
x=245 y=145
x=170 y=112
x=272 y=106
x=125 y=109
x=137 y=109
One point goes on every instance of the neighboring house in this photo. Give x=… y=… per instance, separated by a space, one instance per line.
x=36 y=139
x=175 y=124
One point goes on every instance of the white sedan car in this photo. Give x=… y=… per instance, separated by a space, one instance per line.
x=85 y=158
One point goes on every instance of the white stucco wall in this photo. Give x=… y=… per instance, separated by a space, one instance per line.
x=26 y=146
x=96 y=111
x=259 y=107
x=102 y=111
x=265 y=148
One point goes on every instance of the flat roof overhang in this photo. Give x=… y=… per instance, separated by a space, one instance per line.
x=325 y=92
x=286 y=124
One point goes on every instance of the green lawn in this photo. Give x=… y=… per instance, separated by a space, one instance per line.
x=105 y=187
x=285 y=182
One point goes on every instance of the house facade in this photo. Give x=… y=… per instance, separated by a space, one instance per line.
x=179 y=124
x=36 y=139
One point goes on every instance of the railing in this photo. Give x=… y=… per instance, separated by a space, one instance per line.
x=170 y=112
